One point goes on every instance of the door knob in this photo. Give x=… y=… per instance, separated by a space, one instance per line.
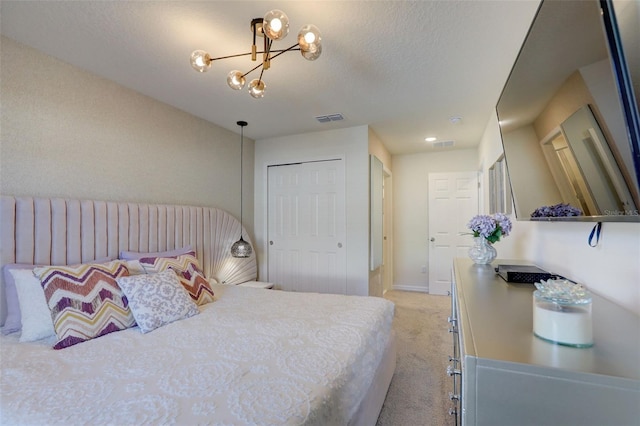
x=270 y=243
x=453 y=371
x=339 y=245
x=432 y=239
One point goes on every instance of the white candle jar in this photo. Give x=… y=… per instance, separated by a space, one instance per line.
x=561 y=319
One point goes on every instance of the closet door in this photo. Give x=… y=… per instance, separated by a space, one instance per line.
x=306 y=226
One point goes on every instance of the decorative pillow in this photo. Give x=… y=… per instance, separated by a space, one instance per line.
x=85 y=300
x=35 y=318
x=188 y=270
x=134 y=255
x=134 y=267
x=157 y=299
x=13 y=322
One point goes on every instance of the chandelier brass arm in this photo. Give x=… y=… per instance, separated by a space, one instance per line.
x=280 y=52
x=259 y=52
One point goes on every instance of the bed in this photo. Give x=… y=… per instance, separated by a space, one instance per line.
x=249 y=356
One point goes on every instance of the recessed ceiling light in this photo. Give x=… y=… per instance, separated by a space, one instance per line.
x=430 y=139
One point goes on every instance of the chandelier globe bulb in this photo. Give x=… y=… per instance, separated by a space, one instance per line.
x=236 y=80
x=311 y=55
x=200 y=60
x=275 y=24
x=257 y=88
x=310 y=41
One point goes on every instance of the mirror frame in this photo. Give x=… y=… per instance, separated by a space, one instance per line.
x=628 y=104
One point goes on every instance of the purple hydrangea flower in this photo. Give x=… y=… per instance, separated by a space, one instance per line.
x=503 y=222
x=557 y=210
x=490 y=227
x=482 y=226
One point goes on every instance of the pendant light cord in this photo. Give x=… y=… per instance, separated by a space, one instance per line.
x=241 y=248
x=241 y=176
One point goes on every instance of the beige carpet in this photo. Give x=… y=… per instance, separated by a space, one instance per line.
x=418 y=394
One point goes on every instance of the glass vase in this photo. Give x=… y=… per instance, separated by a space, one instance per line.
x=482 y=252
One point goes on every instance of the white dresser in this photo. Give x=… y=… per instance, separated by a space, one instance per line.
x=503 y=375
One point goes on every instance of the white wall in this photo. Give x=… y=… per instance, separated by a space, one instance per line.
x=410 y=210
x=352 y=144
x=68 y=133
x=524 y=153
x=611 y=269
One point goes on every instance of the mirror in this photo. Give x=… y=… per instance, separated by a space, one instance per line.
x=568 y=115
x=376 y=212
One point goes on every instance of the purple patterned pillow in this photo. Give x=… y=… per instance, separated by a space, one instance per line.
x=85 y=300
x=13 y=322
x=187 y=268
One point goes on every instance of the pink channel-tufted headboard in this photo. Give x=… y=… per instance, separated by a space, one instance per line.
x=55 y=231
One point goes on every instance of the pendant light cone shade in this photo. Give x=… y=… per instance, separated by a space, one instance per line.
x=241 y=248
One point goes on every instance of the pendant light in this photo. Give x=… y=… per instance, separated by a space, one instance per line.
x=241 y=248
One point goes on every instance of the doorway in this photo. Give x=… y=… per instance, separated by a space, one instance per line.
x=453 y=201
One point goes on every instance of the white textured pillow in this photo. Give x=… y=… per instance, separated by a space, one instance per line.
x=134 y=267
x=35 y=315
x=157 y=299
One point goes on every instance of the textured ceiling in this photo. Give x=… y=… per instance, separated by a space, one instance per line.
x=402 y=67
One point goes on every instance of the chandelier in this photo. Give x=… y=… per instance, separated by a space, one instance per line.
x=274 y=26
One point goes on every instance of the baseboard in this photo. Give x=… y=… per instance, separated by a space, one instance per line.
x=418 y=289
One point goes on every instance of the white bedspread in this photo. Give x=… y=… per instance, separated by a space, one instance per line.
x=251 y=357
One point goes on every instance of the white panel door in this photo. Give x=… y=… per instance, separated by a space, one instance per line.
x=307 y=227
x=453 y=201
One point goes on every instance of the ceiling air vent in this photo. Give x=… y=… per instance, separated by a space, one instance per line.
x=329 y=117
x=442 y=144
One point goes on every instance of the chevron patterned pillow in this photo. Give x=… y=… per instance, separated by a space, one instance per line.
x=85 y=300
x=187 y=268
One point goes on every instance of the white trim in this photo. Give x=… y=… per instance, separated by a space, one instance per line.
x=418 y=289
